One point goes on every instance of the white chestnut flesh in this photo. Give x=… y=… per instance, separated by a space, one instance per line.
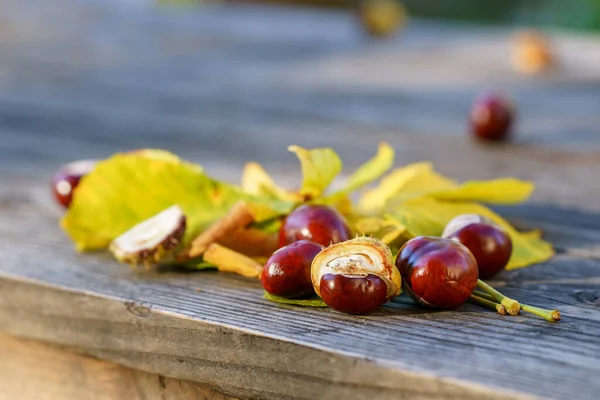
x=355 y=276
x=152 y=240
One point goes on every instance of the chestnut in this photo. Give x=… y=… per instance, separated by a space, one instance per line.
x=437 y=272
x=66 y=179
x=287 y=272
x=491 y=118
x=489 y=243
x=317 y=223
x=355 y=276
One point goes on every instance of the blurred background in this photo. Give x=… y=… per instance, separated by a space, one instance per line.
x=581 y=14
x=224 y=83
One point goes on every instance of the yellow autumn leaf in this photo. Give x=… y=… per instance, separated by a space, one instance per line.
x=427 y=216
x=408 y=181
x=372 y=169
x=257 y=182
x=319 y=169
x=418 y=180
x=156 y=154
x=128 y=188
x=365 y=174
x=227 y=260
x=389 y=230
x=497 y=191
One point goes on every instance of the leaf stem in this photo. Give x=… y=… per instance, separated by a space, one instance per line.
x=512 y=306
x=492 y=305
x=548 y=315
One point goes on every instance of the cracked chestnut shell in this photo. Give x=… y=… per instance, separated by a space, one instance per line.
x=355 y=276
x=489 y=243
x=152 y=240
x=437 y=272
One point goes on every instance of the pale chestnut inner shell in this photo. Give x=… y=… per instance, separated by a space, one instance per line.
x=150 y=233
x=357 y=260
x=352 y=264
x=461 y=221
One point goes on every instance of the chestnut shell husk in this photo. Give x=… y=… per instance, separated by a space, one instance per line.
x=360 y=256
x=153 y=240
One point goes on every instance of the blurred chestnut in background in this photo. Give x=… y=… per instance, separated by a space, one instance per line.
x=66 y=179
x=492 y=116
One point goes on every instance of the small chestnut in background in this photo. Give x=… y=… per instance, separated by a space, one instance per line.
x=355 y=276
x=316 y=223
x=66 y=179
x=437 y=272
x=492 y=116
x=489 y=243
x=287 y=271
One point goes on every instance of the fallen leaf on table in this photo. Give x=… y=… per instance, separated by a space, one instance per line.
x=257 y=182
x=407 y=179
x=227 y=260
x=311 y=302
x=370 y=171
x=428 y=216
x=319 y=169
x=129 y=188
x=409 y=201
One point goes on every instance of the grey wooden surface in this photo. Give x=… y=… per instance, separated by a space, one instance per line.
x=223 y=86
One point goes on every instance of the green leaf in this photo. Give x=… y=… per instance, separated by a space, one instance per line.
x=371 y=170
x=128 y=188
x=427 y=217
x=199 y=265
x=319 y=169
x=311 y=302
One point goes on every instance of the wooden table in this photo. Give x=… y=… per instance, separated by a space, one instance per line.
x=227 y=86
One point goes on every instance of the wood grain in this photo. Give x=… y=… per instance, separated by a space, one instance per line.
x=218 y=87
x=32 y=370
x=227 y=86
x=227 y=335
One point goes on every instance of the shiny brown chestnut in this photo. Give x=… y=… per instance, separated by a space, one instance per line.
x=489 y=243
x=355 y=276
x=287 y=272
x=437 y=272
x=317 y=223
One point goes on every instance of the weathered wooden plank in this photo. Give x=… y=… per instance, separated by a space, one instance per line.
x=240 y=362
x=227 y=335
x=220 y=88
x=571 y=231
x=212 y=74
x=217 y=86
x=36 y=371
